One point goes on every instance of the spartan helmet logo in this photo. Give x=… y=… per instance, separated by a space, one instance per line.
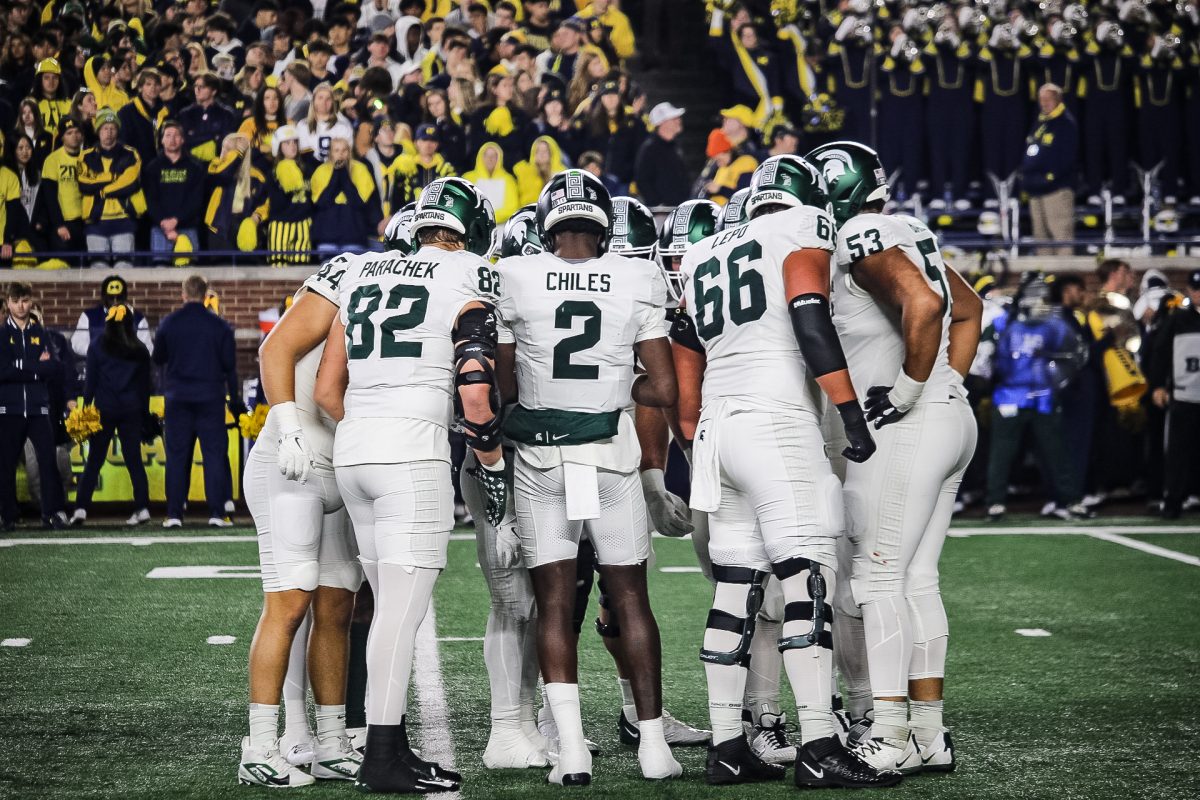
x=620 y=219
x=575 y=184
x=432 y=194
x=768 y=172
x=682 y=218
x=834 y=165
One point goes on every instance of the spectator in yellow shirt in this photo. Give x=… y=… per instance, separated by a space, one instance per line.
x=110 y=179
x=619 y=31
x=98 y=74
x=11 y=213
x=495 y=182
x=60 y=182
x=52 y=98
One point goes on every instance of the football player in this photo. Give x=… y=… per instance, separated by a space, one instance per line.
x=397 y=236
x=763 y=718
x=574 y=317
x=758 y=297
x=910 y=327
x=412 y=346
x=309 y=564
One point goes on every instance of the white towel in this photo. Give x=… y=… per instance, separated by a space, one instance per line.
x=582 y=489
x=706 y=460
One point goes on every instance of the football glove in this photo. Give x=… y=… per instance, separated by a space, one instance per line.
x=293 y=455
x=887 y=404
x=491 y=480
x=668 y=513
x=858 y=433
x=508 y=544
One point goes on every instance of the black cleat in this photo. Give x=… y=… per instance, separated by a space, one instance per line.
x=827 y=764
x=630 y=735
x=390 y=766
x=732 y=761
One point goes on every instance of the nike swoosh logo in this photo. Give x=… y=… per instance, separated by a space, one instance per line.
x=816 y=773
x=731 y=768
x=559 y=436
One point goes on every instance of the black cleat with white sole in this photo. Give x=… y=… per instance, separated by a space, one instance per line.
x=732 y=761
x=427 y=769
x=827 y=764
x=390 y=766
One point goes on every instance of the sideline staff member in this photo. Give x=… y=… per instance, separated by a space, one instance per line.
x=1175 y=376
x=26 y=367
x=196 y=346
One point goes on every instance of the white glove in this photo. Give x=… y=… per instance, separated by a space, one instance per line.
x=669 y=514
x=508 y=544
x=293 y=455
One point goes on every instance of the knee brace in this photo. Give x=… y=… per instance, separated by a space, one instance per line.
x=720 y=620
x=303 y=575
x=816 y=610
x=612 y=628
x=772 y=604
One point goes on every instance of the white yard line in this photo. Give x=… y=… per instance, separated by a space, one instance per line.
x=1064 y=530
x=436 y=742
x=130 y=540
x=1145 y=547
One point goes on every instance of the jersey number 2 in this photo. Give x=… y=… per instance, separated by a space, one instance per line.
x=360 y=327
x=564 y=318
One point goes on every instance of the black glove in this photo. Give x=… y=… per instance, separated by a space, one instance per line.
x=236 y=407
x=857 y=433
x=879 y=407
x=496 y=487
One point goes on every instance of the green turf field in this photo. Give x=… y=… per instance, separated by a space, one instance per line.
x=118 y=695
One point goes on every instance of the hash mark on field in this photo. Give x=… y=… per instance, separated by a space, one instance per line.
x=679 y=570
x=137 y=541
x=198 y=571
x=15 y=642
x=460 y=638
x=221 y=639
x=431 y=696
x=1032 y=632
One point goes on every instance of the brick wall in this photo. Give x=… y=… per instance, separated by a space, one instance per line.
x=156 y=292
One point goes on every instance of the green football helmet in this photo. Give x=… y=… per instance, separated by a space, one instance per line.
x=521 y=235
x=734 y=213
x=634 y=232
x=397 y=235
x=788 y=181
x=692 y=221
x=574 y=195
x=854 y=175
x=456 y=204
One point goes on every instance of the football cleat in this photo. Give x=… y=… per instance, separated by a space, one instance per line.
x=844 y=723
x=220 y=522
x=827 y=764
x=358 y=739
x=390 y=765
x=859 y=731
x=335 y=760
x=938 y=755
x=298 y=749
x=770 y=742
x=512 y=749
x=266 y=767
x=572 y=769
x=886 y=753
x=677 y=733
x=657 y=763
x=172 y=522
x=79 y=517
x=1079 y=511
x=732 y=761
x=138 y=517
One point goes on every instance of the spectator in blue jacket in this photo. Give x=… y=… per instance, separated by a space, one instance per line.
x=118 y=383
x=26 y=369
x=197 y=349
x=1050 y=170
x=1037 y=355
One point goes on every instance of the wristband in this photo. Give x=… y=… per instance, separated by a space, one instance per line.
x=288 y=416
x=497 y=467
x=905 y=392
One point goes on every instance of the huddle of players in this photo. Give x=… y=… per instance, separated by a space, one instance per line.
x=565 y=364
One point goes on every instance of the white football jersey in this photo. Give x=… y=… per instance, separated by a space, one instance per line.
x=317 y=426
x=871 y=334
x=399 y=312
x=735 y=295
x=575 y=325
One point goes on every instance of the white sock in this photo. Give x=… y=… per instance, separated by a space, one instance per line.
x=400 y=607
x=726 y=683
x=809 y=669
x=891 y=719
x=766 y=666
x=925 y=717
x=627 y=702
x=331 y=722
x=652 y=737
x=295 y=683
x=264 y=725
x=564 y=705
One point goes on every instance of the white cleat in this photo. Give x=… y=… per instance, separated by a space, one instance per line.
x=230 y=507
x=266 y=767
x=1191 y=503
x=298 y=750
x=549 y=731
x=335 y=760
x=172 y=522
x=138 y=517
x=79 y=517
x=676 y=732
x=898 y=755
x=358 y=739
x=938 y=756
x=657 y=763
x=512 y=749
x=572 y=769
x=770 y=742
x=220 y=522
